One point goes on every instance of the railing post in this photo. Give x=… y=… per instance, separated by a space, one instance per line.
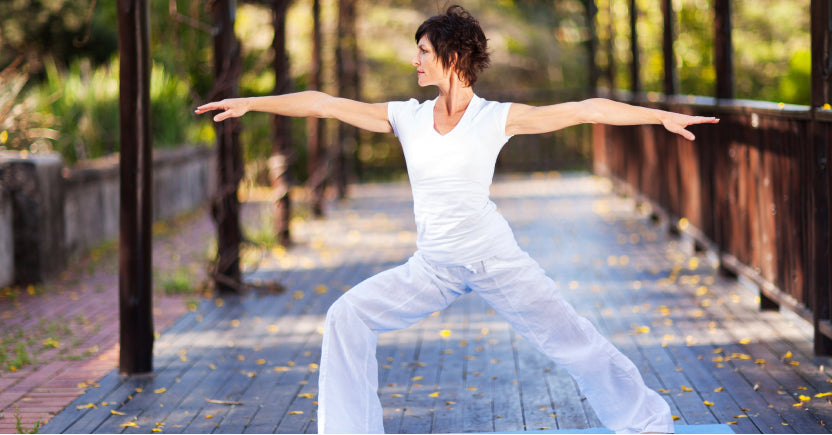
x=668 y=37
x=723 y=50
x=819 y=282
x=635 y=84
x=136 y=187
x=611 y=48
x=592 y=45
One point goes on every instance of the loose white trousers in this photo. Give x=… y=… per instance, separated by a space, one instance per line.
x=517 y=288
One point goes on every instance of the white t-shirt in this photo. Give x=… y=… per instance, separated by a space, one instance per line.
x=450 y=175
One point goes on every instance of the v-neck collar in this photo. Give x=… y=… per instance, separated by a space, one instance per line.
x=468 y=109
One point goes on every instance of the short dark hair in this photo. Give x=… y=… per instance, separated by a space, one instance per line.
x=456 y=34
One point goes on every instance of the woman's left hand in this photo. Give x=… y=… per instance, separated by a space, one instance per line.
x=678 y=123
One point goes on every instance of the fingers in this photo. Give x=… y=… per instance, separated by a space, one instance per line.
x=223 y=116
x=208 y=107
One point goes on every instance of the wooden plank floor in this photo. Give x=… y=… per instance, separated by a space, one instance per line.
x=249 y=365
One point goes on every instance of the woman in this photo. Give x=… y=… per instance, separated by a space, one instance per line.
x=463 y=244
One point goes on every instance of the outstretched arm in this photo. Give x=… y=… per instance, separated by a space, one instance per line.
x=523 y=119
x=367 y=116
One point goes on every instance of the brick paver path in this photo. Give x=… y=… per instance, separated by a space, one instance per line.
x=79 y=312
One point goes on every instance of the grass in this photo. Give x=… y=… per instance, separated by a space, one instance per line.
x=179 y=282
x=18 y=424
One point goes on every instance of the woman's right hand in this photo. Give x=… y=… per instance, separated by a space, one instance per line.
x=232 y=107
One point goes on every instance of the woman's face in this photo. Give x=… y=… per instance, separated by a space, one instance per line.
x=428 y=67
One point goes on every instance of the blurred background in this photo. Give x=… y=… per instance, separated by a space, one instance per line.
x=59 y=65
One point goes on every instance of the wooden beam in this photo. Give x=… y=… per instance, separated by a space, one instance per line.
x=820 y=280
x=821 y=12
x=136 y=175
x=346 y=65
x=226 y=210
x=611 y=48
x=281 y=160
x=723 y=52
x=592 y=45
x=668 y=36
x=635 y=81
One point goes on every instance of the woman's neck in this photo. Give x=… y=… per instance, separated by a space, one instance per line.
x=454 y=96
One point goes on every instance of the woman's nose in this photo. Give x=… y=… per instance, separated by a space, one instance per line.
x=415 y=60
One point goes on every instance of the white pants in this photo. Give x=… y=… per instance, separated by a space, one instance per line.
x=517 y=288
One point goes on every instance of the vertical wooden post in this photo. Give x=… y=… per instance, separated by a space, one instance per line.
x=668 y=36
x=820 y=281
x=136 y=176
x=635 y=84
x=226 y=210
x=346 y=65
x=611 y=48
x=592 y=45
x=314 y=126
x=280 y=162
x=723 y=52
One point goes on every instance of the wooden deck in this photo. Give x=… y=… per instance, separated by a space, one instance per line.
x=249 y=365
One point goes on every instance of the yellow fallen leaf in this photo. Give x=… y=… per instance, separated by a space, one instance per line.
x=436 y=394
x=295 y=412
x=416 y=378
x=707 y=403
x=261 y=362
x=156 y=429
x=281 y=369
x=114 y=412
x=306 y=395
x=730 y=422
x=820 y=395
x=687 y=389
x=663 y=391
x=472 y=388
x=139 y=390
x=675 y=418
x=798 y=405
x=788 y=354
x=759 y=361
x=719 y=390
x=212 y=366
x=130 y=424
x=804 y=398
x=207 y=416
x=160 y=390
x=87 y=406
x=794 y=363
x=396 y=395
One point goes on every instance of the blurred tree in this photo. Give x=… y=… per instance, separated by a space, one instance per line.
x=60 y=29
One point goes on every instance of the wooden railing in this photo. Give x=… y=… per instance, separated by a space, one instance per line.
x=755 y=189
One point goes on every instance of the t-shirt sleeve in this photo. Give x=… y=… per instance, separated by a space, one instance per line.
x=398 y=112
x=502 y=119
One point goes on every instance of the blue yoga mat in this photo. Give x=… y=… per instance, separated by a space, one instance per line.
x=680 y=429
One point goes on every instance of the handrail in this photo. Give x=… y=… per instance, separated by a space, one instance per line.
x=756 y=186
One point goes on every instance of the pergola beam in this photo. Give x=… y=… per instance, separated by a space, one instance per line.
x=136 y=184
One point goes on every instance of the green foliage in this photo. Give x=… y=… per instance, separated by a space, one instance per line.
x=60 y=29
x=81 y=107
x=770 y=39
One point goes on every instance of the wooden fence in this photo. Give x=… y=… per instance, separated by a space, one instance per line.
x=755 y=189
